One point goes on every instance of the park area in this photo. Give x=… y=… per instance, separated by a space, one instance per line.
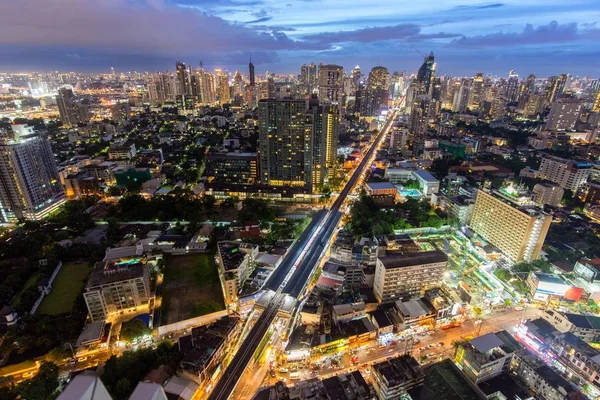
x=190 y=288
x=66 y=287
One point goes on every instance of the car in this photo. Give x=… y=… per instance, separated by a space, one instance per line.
x=440 y=344
x=283 y=370
x=28 y=374
x=272 y=373
x=82 y=359
x=519 y=308
x=72 y=361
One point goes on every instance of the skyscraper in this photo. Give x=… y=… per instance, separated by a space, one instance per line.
x=564 y=114
x=555 y=87
x=297 y=142
x=330 y=83
x=376 y=93
x=223 y=91
x=355 y=78
x=312 y=77
x=426 y=74
x=29 y=180
x=304 y=78
x=183 y=81
x=251 y=73
x=476 y=95
x=72 y=112
x=161 y=88
x=596 y=106
x=512 y=87
x=283 y=143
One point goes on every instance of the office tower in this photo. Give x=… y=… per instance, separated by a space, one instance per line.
x=399 y=275
x=564 y=114
x=209 y=88
x=304 y=78
x=182 y=78
x=518 y=232
x=223 y=91
x=283 y=142
x=313 y=80
x=120 y=282
x=568 y=174
x=528 y=86
x=330 y=83
x=161 y=88
x=596 y=106
x=29 y=180
x=398 y=140
x=376 y=93
x=512 y=87
x=72 y=112
x=476 y=95
x=355 y=78
x=270 y=88
x=426 y=75
x=423 y=110
x=251 y=73
x=461 y=98
x=534 y=105
x=555 y=87
x=238 y=84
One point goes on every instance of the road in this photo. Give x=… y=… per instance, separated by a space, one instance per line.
x=301 y=262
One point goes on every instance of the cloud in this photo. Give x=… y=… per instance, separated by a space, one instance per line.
x=124 y=26
x=259 y=20
x=484 y=6
x=409 y=32
x=542 y=34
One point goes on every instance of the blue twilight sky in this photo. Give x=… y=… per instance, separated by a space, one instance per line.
x=467 y=36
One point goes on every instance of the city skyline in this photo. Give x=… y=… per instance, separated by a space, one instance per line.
x=467 y=36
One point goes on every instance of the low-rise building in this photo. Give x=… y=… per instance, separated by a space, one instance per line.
x=486 y=356
x=541 y=378
x=395 y=377
x=236 y=263
x=398 y=275
x=578 y=359
x=586 y=327
x=121 y=151
x=349 y=311
x=119 y=283
x=588 y=269
x=416 y=313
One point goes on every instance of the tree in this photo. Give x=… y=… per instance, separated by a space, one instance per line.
x=134 y=329
x=507 y=302
x=59 y=354
x=43 y=386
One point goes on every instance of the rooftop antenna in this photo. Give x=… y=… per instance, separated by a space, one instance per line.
x=417 y=50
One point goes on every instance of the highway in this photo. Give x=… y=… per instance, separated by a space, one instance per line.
x=300 y=262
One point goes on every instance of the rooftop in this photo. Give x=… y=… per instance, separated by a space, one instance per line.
x=444 y=381
x=398 y=371
x=426 y=176
x=104 y=274
x=380 y=185
x=399 y=260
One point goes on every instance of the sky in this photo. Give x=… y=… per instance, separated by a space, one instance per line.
x=545 y=37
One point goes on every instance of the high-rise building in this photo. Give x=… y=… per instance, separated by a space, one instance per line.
x=568 y=174
x=512 y=87
x=518 y=232
x=237 y=168
x=426 y=75
x=209 y=88
x=297 y=141
x=476 y=95
x=461 y=98
x=161 y=88
x=400 y=275
x=183 y=80
x=330 y=83
x=304 y=78
x=313 y=79
x=596 y=106
x=547 y=193
x=376 y=93
x=398 y=140
x=29 y=181
x=251 y=73
x=355 y=78
x=283 y=142
x=238 y=84
x=555 y=87
x=564 y=114
x=223 y=90
x=72 y=111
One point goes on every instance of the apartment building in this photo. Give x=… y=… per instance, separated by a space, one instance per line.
x=120 y=282
x=518 y=232
x=486 y=356
x=569 y=174
x=398 y=275
x=547 y=193
x=236 y=263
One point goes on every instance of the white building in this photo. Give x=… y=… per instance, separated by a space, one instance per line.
x=564 y=114
x=568 y=174
x=547 y=193
x=398 y=275
x=236 y=263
